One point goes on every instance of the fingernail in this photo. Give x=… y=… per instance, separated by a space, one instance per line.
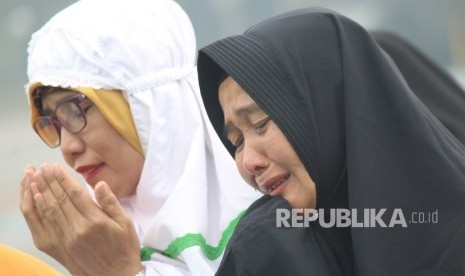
x=104 y=187
x=37 y=177
x=27 y=168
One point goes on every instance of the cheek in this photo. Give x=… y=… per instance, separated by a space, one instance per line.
x=279 y=149
x=68 y=159
x=284 y=154
x=122 y=160
x=246 y=176
x=135 y=165
x=239 y=167
x=104 y=139
x=125 y=168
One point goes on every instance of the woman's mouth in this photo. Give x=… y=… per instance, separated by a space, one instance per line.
x=275 y=185
x=89 y=172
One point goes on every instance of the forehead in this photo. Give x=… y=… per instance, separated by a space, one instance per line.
x=238 y=107
x=233 y=98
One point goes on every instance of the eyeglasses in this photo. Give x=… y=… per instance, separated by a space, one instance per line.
x=69 y=113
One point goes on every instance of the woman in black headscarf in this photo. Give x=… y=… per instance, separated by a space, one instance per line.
x=366 y=141
x=435 y=87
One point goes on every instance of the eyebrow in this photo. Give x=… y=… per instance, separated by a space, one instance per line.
x=244 y=110
x=48 y=111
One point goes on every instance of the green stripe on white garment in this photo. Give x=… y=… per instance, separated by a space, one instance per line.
x=191 y=239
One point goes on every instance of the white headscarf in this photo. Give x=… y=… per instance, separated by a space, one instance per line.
x=189 y=191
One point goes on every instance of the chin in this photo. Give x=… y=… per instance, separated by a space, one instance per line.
x=297 y=204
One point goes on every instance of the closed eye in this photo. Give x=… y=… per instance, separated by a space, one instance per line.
x=237 y=146
x=260 y=127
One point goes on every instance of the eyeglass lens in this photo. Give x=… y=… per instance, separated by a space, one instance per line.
x=68 y=114
x=47 y=131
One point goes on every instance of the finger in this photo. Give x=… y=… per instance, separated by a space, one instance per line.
x=25 y=182
x=47 y=237
x=30 y=212
x=75 y=191
x=51 y=240
x=60 y=195
x=51 y=216
x=109 y=203
x=39 y=200
x=53 y=183
x=27 y=205
x=48 y=234
x=48 y=205
x=37 y=224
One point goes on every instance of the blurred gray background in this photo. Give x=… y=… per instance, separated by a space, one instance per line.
x=437 y=27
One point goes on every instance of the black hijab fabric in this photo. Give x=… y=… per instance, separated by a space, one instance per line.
x=432 y=84
x=366 y=140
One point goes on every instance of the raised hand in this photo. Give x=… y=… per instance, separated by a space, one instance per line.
x=87 y=238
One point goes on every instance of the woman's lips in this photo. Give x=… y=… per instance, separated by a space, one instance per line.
x=89 y=172
x=275 y=185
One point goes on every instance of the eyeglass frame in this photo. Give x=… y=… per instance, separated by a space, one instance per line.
x=57 y=125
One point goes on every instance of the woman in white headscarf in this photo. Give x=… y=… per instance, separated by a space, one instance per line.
x=113 y=83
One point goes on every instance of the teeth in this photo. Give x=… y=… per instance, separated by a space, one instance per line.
x=277 y=184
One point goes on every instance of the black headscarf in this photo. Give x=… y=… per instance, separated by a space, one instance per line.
x=366 y=140
x=435 y=87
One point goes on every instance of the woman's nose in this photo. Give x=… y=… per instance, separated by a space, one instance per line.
x=254 y=159
x=70 y=144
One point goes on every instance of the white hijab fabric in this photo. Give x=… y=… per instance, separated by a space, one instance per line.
x=146 y=48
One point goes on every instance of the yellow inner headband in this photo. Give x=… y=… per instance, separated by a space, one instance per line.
x=111 y=104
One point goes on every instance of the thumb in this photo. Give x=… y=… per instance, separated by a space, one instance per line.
x=108 y=201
